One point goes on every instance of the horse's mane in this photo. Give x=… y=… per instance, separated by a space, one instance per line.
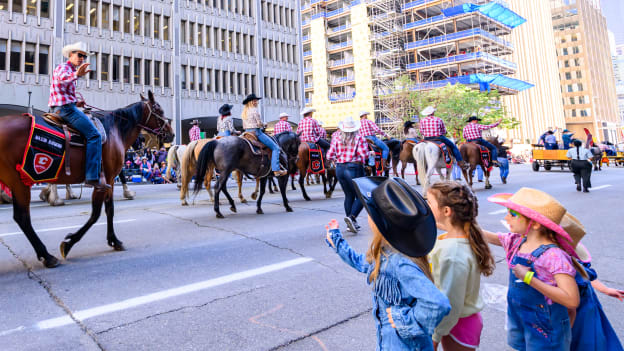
x=125 y=119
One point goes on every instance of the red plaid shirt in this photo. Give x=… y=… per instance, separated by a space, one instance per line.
x=63 y=86
x=369 y=128
x=282 y=126
x=473 y=130
x=356 y=152
x=309 y=130
x=432 y=126
x=323 y=132
x=195 y=133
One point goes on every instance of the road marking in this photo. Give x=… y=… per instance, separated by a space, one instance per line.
x=10 y=207
x=64 y=228
x=165 y=294
x=498 y=212
x=601 y=187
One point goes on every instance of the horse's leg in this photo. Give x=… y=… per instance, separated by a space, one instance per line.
x=302 y=177
x=292 y=182
x=239 y=180
x=97 y=199
x=263 y=183
x=69 y=194
x=230 y=200
x=127 y=193
x=111 y=238
x=185 y=180
x=53 y=198
x=403 y=167
x=221 y=183
x=45 y=193
x=271 y=184
x=486 y=173
x=208 y=182
x=283 y=184
x=21 y=215
x=254 y=195
x=275 y=187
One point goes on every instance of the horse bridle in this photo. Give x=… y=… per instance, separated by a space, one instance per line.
x=158 y=131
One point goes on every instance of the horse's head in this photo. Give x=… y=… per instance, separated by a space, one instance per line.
x=154 y=120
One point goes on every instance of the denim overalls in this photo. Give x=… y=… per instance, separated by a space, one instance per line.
x=533 y=324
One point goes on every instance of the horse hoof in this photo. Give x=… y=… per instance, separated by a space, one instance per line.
x=254 y=196
x=65 y=247
x=488 y=187
x=233 y=209
x=119 y=246
x=50 y=262
x=307 y=198
x=58 y=202
x=289 y=209
x=184 y=203
x=219 y=215
x=243 y=201
x=129 y=195
x=328 y=196
x=259 y=211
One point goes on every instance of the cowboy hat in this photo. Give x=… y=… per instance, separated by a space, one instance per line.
x=540 y=208
x=363 y=113
x=428 y=111
x=307 y=110
x=75 y=47
x=195 y=122
x=349 y=125
x=226 y=109
x=320 y=123
x=408 y=124
x=251 y=97
x=399 y=212
x=575 y=228
x=473 y=118
x=284 y=114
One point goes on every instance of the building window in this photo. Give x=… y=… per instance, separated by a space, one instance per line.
x=166 y=76
x=116 y=60
x=577 y=62
x=565 y=51
x=584 y=113
x=106 y=16
x=137 y=22
x=580 y=87
x=31 y=8
x=223 y=39
x=568 y=75
x=69 y=10
x=573 y=113
x=29 y=58
x=17 y=5
x=126 y=70
x=16 y=52
x=116 y=18
x=137 y=71
x=127 y=19
x=93 y=66
x=82 y=12
x=200 y=79
x=104 y=68
x=572 y=100
x=165 y=28
x=3 y=54
x=567 y=63
x=183 y=76
x=579 y=75
x=208 y=80
x=183 y=32
x=93 y=15
x=156 y=26
x=147 y=24
x=192 y=78
x=157 y=73
x=45 y=8
x=581 y=100
x=147 y=76
x=43 y=59
x=575 y=50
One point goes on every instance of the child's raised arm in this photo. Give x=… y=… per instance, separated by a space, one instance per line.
x=491 y=237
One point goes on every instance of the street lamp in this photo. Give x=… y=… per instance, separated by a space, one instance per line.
x=29 y=107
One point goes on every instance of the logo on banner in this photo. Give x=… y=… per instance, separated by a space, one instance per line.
x=42 y=163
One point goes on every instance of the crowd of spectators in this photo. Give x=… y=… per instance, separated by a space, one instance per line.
x=150 y=164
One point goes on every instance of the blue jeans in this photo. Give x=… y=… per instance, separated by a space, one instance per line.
x=493 y=151
x=224 y=133
x=504 y=167
x=479 y=172
x=380 y=144
x=551 y=146
x=72 y=115
x=451 y=145
x=346 y=172
x=275 y=149
x=457 y=173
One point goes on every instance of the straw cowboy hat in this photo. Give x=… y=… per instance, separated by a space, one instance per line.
x=575 y=228
x=349 y=125
x=541 y=208
x=284 y=115
x=428 y=111
x=307 y=110
x=400 y=213
x=75 y=47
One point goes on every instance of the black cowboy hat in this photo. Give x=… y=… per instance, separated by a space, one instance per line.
x=195 y=122
x=226 y=109
x=408 y=124
x=250 y=97
x=399 y=212
x=473 y=118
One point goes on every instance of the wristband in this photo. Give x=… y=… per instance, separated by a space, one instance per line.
x=528 y=277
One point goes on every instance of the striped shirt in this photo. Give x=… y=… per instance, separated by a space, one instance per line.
x=63 y=86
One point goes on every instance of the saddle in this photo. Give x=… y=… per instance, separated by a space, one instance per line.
x=257 y=148
x=446 y=153
x=486 y=156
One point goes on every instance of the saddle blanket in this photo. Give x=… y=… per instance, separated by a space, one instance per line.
x=446 y=153
x=317 y=164
x=486 y=157
x=379 y=165
x=43 y=156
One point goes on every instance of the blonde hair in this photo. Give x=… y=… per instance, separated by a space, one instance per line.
x=347 y=138
x=245 y=110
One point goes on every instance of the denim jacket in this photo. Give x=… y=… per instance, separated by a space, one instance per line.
x=417 y=306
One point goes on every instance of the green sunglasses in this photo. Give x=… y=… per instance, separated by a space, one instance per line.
x=513 y=213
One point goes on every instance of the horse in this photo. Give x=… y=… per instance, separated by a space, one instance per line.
x=406 y=157
x=174 y=160
x=596 y=157
x=235 y=153
x=392 y=160
x=122 y=127
x=303 y=164
x=471 y=153
x=428 y=158
x=289 y=143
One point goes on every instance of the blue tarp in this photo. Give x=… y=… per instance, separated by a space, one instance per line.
x=485 y=80
x=493 y=10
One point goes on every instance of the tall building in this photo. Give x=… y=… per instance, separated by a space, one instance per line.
x=618 y=68
x=585 y=68
x=194 y=55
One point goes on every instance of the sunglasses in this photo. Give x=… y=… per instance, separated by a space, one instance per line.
x=514 y=213
x=82 y=56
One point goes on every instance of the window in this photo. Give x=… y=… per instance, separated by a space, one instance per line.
x=251 y=45
x=570 y=88
x=183 y=76
x=183 y=32
x=575 y=50
x=581 y=100
x=568 y=75
x=29 y=58
x=208 y=41
x=579 y=75
x=200 y=80
x=106 y=16
x=156 y=26
x=93 y=14
x=69 y=11
x=267 y=92
x=165 y=28
x=137 y=22
x=31 y=8
x=117 y=18
x=137 y=71
x=577 y=62
x=166 y=75
x=116 y=61
x=229 y=41
x=572 y=100
x=192 y=78
x=573 y=113
x=45 y=8
x=126 y=70
x=157 y=73
x=147 y=72
x=82 y=12
x=584 y=113
x=16 y=52
x=565 y=51
x=4 y=5
x=17 y=5
x=241 y=84
x=43 y=59
x=127 y=19
x=223 y=39
x=208 y=80
x=93 y=60
x=231 y=86
x=567 y=63
x=104 y=69
x=147 y=24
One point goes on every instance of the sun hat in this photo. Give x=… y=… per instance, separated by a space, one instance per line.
x=251 y=97
x=363 y=113
x=349 y=125
x=541 y=208
x=429 y=110
x=75 y=47
x=225 y=109
x=307 y=110
x=473 y=118
x=284 y=114
x=399 y=212
x=575 y=228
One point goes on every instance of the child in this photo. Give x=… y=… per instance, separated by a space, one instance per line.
x=542 y=286
x=406 y=305
x=458 y=259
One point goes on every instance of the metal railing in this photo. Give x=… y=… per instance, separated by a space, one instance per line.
x=463 y=57
x=456 y=36
x=340 y=45
x=335 y=63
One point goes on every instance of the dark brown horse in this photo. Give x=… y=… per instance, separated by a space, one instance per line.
x=406 y=157
x=471 y=153
x=122 y=126
x=303 y=164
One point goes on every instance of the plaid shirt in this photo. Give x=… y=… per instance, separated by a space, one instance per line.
x=309 y=130
x=281 y=127
x=195 y=133
x=356 y=152
x=63 y=86
x=432 y=126
x=369 y=128
x=323 y=132
x=473 y=130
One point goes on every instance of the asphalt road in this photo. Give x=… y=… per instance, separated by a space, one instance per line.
x=189 y=281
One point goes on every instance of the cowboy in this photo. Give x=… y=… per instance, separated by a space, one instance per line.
x=309 y=130
x=283 y=125
x=225 y=124
x=410 y=131
x=63 y=101
x=566 y=136
x=433 y=128
x=472 y=133
x=195 y=132
x=323 y=131
x=369 y=130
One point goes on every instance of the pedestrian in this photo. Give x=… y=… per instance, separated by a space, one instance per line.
x=473 y=134
x=369 y=131
x=146 y=169
x=407 y=307
x=581 y=165
x=542 y=286
x=503 y=161
x=350 y=151
x=195 y=132
x=433 y=128
x=283 y=125
x=550 y=141
x=566 y=137
x=225 y=124
x=157 y=175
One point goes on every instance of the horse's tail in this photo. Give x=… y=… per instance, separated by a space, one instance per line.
x=171 y=159
x=421 y=161
x=205 y=158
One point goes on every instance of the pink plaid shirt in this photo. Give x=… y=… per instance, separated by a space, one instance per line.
x=195 y=133
x=356 y=152
x=282 y=126
x=369 y=128
x=63 y=86
x=473 y=130
x=432 y=126
x=309 y=130
x=323 y=132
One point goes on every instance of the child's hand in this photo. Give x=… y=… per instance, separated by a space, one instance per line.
x=389 y=312
x=618 y=294
x=520 y=271
x=333 y=224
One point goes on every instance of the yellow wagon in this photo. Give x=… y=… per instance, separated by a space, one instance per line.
x=549 y=158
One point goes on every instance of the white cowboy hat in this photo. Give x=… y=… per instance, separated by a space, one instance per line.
x=320 y=123
x=307 y=110
x=349 y=125
x=284 y=114
x=364 y=113
x=79 y=47
x=428 y=111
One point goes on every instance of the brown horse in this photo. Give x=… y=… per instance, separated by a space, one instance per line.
x=406 y=156
x=122 y=126
x=471 y=153
x=303 y=164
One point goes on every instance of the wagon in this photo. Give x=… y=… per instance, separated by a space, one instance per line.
x=549 y=158
x=617 y=160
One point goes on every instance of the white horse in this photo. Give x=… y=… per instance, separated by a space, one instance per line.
x=428 y=158
x=174 y=161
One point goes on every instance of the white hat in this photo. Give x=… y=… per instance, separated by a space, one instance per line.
x=362 y=113
x=349 y=125
x=320 y=122
x=307 y=110
x=79 y=46
x=429 y=110
x=284 y=114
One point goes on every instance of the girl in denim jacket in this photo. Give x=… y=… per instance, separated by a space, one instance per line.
x=407 y=306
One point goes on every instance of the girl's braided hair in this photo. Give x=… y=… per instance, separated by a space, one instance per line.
x=465 y=208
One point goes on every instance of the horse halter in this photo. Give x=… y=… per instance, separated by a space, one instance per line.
x=159 y=132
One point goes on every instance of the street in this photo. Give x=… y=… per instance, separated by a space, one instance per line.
x=190 y=281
